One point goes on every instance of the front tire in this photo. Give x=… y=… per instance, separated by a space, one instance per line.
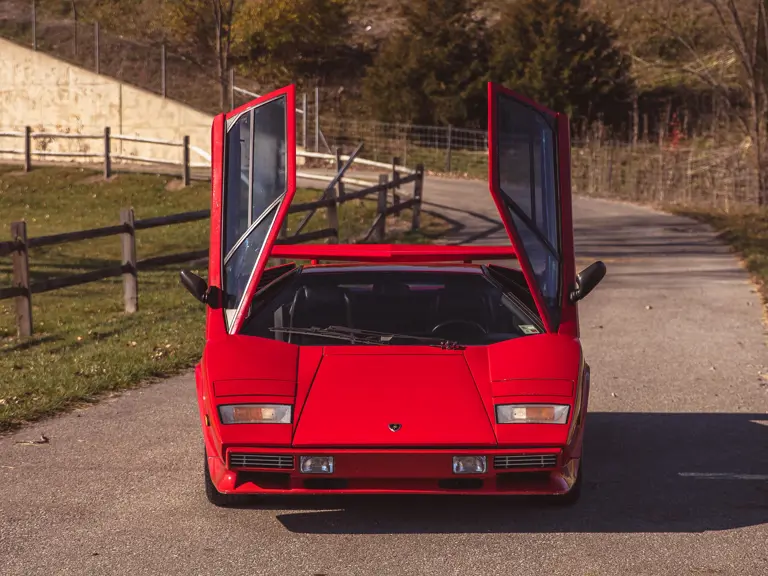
x=214 y=496
x=572 y=496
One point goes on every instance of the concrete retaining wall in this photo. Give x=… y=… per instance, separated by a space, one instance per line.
x=52 y=95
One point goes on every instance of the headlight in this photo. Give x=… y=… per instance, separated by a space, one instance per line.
x=316 y=464
x=532 y=413
x=255 y=414
x=469 y=464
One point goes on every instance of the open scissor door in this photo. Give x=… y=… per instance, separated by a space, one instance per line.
x=253 y=180
x=529 y=177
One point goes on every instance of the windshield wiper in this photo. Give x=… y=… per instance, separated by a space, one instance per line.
x=387 y=337
x=355 y=335
x=326 y=333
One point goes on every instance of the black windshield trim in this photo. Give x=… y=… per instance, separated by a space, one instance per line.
x=496 y=277
x=291 y=270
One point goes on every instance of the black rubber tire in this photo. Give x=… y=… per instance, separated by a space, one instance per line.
x=572 y=496
x=214 y=496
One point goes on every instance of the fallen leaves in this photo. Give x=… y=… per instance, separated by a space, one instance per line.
x=159 y=352
x=42 y=440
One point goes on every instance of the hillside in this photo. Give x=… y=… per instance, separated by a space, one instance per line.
x=669 y=49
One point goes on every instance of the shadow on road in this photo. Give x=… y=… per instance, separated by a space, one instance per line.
x=631 y=236
x=633 y=463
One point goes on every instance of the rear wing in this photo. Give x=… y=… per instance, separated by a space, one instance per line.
x=391 y=253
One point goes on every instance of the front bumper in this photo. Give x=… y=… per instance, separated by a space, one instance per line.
x=396 y=472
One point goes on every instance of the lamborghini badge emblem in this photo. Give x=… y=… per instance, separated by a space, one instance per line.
x=395 y=427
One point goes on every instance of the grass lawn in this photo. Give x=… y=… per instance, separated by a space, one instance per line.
x=83 y=343
x=746 y=230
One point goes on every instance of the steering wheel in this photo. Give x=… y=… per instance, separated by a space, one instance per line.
x=467 y=322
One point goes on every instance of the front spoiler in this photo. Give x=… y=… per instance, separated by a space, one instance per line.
x=399 y=476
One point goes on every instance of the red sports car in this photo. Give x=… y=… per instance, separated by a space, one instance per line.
x=392 y=368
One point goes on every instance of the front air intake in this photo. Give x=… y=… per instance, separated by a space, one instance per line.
x=514 y=461
x=261 y=461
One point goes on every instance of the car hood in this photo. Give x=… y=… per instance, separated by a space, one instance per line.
x=385 y=399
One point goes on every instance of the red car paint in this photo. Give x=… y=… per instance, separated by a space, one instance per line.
x=344 y=397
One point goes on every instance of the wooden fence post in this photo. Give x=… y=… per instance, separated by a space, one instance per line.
x=130 y=272
x=335 y=197
x=333 y=215
x=107 y=153
x=339 y=164
x=395 y=181
x=418 y=189
x=381 y=209
x=21 y=279
x=283 y=235
x=27 y=148
x=185 y=162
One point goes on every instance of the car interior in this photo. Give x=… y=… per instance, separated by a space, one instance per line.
x=464 y=307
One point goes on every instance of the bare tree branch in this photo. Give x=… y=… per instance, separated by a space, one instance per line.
x=763 y=67
x=738 y=43
x=743 y=38
x=683 y=42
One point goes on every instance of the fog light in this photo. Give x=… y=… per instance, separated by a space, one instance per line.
x=469 y=464
x=316 y=464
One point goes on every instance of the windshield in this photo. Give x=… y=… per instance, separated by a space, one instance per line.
x=466 y=308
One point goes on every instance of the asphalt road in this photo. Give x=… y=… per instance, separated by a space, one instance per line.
x=676 y=344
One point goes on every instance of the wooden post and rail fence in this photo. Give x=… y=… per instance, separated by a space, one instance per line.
x=106 y=155
x=18 y=247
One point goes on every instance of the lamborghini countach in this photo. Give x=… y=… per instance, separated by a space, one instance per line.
x=365 y=368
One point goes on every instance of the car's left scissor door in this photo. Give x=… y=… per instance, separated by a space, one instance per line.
x=253 y=183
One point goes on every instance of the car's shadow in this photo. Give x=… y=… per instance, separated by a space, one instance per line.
x=635 y=467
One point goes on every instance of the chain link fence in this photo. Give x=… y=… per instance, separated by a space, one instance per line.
x=147 y=66
x=440 y=149
x=722 y=176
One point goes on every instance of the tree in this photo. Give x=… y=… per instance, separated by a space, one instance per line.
x=558 y=55
x=204 y=26
x=432 y=71
x=294 y=40
x=743 y=26
x=136 y=18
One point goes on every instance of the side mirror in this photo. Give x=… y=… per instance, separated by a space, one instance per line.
x=587 y=279
x=195 y=285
